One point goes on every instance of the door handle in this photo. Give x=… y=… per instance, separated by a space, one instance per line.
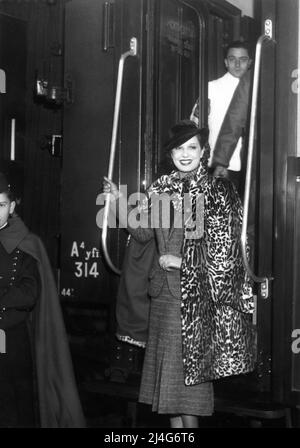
x=108 y=27
x=13 y=139
x=263 y=281
x=132 y=52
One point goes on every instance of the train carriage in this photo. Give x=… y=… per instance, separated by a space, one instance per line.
x=68 y=106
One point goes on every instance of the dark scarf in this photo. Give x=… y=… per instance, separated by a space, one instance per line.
x=59 y=403
x=218 y=336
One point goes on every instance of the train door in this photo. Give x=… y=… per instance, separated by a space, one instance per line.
x=276 y=196
x=160 y=85
x=286 y=299
x=275 y=199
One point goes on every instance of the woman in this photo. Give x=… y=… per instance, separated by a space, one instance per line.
x=200 y=302
x=37 y=385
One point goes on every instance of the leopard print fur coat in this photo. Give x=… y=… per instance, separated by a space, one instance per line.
x=218 y=337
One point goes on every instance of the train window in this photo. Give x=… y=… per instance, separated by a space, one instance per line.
x=179 y=64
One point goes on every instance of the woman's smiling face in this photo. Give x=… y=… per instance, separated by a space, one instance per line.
x=186 y=157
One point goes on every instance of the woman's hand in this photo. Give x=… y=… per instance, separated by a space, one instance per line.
x=110 y=187
x=169 y=262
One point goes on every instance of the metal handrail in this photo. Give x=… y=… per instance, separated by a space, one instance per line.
x=124 y=56
x=264 y=281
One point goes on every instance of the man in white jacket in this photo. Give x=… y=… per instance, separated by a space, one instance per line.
x=224 y=94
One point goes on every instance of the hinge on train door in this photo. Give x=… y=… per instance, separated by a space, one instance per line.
x=265 y=288
x=269 y=28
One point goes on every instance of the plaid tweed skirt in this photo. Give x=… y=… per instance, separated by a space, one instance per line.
x=162 y=383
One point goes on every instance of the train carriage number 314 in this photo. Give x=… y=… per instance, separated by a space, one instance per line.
x=84 y=269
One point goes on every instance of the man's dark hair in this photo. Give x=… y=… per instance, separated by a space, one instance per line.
x=239 y=44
